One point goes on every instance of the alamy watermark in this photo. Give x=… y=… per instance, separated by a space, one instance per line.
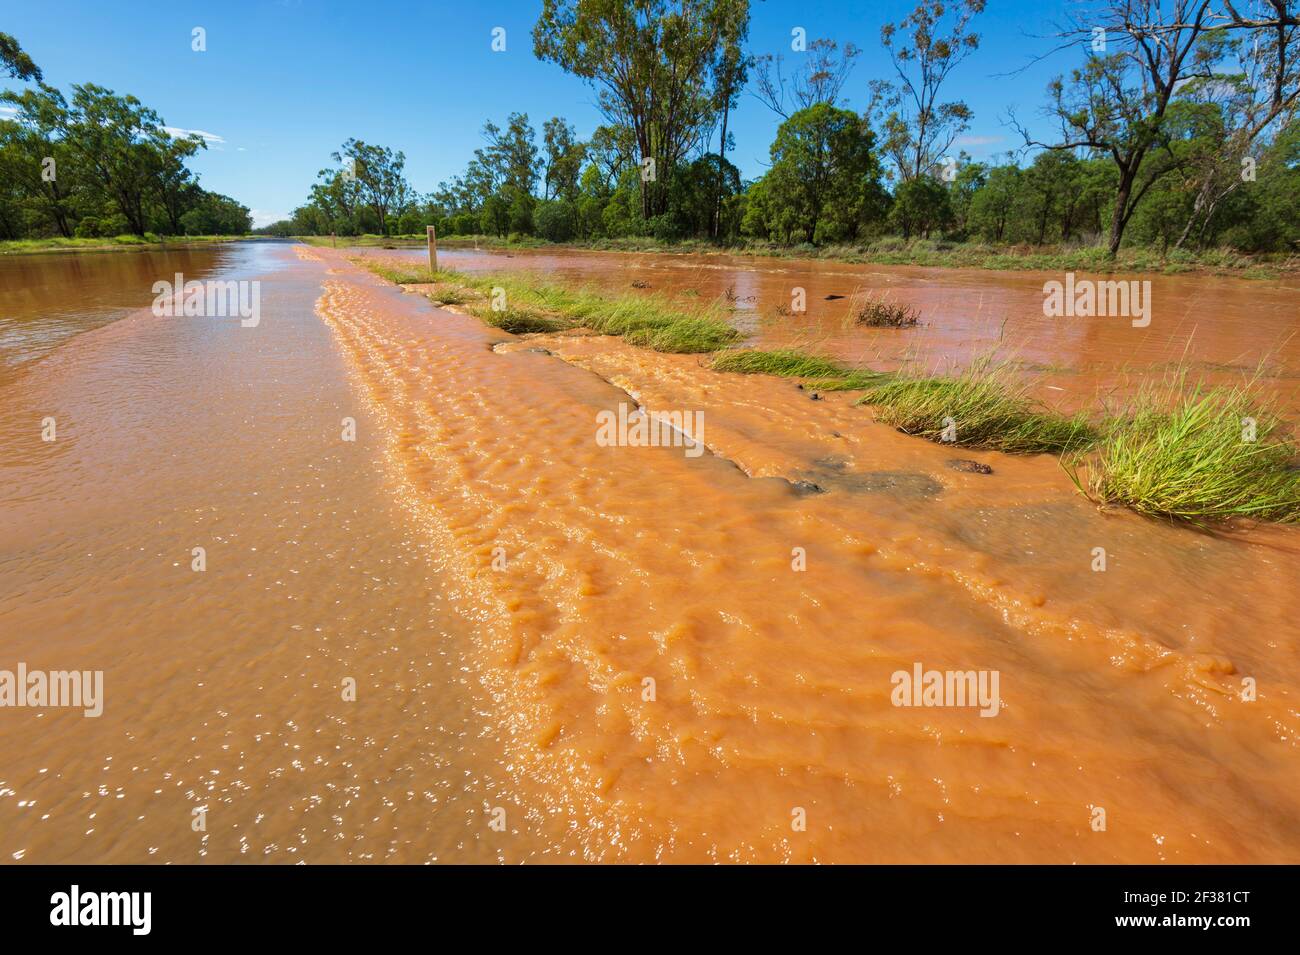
x=921 y=687
x=210 y=299
x=651 y=429
x=1087 y=298
x=82 y=689
x=76 y=907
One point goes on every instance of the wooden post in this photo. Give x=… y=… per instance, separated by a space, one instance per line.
x=432 y=236
x=334 y=240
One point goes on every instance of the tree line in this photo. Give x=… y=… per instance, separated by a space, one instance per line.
x=94 y=163
x=1176 y=127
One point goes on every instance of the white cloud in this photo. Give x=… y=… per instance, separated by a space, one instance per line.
x=177 y=133
x=262 y=217
x=978 y=140
x=9 y=110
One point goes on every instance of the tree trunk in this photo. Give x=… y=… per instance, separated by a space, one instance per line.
x=717 y=191
x=1118 y=218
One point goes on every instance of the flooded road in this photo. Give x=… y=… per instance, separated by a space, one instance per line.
x=1220 y=327
x=569 y=651
x=46 y=299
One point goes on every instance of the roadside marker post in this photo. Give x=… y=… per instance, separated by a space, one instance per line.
x=432 y=236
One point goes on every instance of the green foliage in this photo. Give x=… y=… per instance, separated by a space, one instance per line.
x=217 y=215
x=97 y=166
x=15 y=62
x=825 y=181
x=1198 y=455
x=921 y=207
x=984 y=406
x=792 y=363
x=556 y=220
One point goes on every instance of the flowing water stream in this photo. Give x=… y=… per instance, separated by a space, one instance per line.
x=569 y=651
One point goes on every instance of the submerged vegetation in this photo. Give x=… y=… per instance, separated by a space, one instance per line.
x=522 y=305
x=1196 y=454
x=109 y=243
x=983 y=406
x=793 y=363
x=873 y=312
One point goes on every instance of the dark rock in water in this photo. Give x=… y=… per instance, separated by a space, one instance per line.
x=968 y=466
x=836 y=434
x=800 y=387
x=830 y=463
x=815 y=397
x=640 y=284
x=536 y=351
x=807 y=487
x=904 y=484
x=831 y=298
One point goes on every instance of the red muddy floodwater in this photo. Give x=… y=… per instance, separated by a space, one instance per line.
x=478 y=633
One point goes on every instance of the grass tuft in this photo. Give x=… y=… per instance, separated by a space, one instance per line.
x=792 y=363
x=984 y=406
x=1187 y=455
x=872 y=312
x=647 y=320
x=519 y=321
x=684 y=336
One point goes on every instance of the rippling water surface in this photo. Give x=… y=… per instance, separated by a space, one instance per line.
x=563 y=651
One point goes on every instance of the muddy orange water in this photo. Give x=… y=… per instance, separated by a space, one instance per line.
x=1218 y=329
x=564 y=651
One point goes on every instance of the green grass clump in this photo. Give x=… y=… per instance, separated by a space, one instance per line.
x=534 y=306
x=981 y=407
x=519 y=321
x=1185 y=454
x=450 y=296
x=398 y=274
x=792 y=363
x=684 y=336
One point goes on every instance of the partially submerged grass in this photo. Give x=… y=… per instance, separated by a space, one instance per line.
x=534 y=306
x=792 y=363
x=518 y=321
x=111 y=243
x=1198 y=455
x=873 y=312
x=398 y=273
x=935 y=253
x=688 y=336
x=1174 y=452
x=450 y=295
x=984 y=406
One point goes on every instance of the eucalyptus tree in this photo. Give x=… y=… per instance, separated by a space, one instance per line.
x=917 y=128
x=1142 y=55
x=655 y=66
x=378 y=174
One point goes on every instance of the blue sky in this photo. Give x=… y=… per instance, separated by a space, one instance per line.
x=284 y=82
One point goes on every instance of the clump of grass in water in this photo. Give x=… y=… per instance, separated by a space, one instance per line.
x=397 y=274
x=984 y=406
x=646 y=320
x=1187 y=456
x=519 y=321
x=792 y=363
x=685 y=336
x=865 y=309
x=449 y=296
